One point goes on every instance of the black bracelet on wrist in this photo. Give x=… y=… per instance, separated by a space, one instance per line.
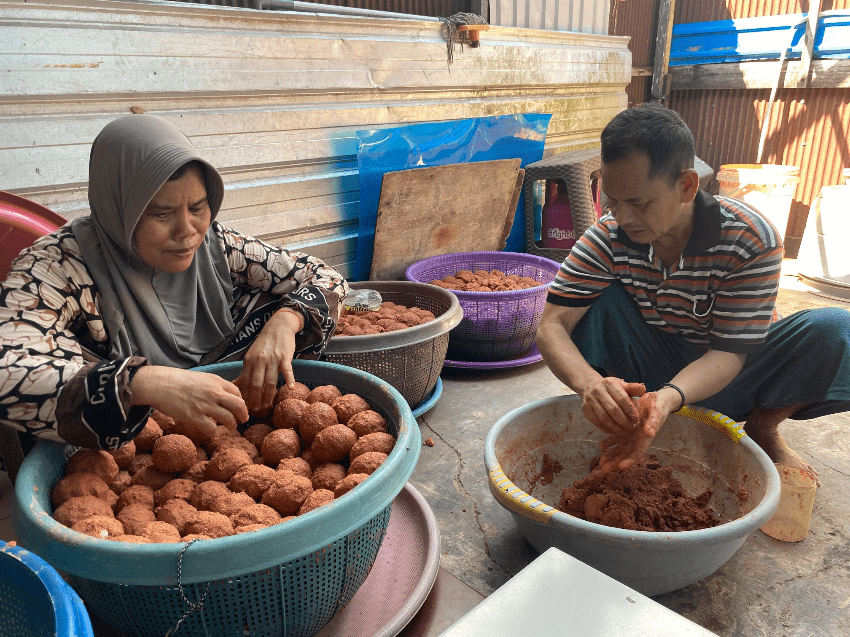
x=681 y=394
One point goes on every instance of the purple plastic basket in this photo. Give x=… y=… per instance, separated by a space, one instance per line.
x=496 y=326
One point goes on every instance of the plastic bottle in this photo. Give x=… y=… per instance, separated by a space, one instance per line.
x=538 y=197
x=557 y=223
x=362 y=301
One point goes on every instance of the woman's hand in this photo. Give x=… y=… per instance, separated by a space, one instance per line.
x=188 y=396
x=270 y=355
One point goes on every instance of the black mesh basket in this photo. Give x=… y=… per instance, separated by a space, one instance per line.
x=411 y=359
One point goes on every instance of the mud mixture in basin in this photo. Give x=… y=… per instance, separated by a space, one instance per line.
x=644 y=497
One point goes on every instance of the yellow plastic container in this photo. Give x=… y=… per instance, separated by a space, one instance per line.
x=769 y=188
x=791 y=521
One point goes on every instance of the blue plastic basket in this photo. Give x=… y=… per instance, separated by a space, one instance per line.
x=35 y=600
x=285 y=580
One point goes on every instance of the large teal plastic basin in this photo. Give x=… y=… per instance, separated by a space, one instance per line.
x=286 y=580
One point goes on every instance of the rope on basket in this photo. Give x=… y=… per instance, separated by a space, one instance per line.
x=453 y=36
x=193 y=606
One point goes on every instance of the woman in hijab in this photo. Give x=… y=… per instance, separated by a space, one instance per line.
x=103 y=319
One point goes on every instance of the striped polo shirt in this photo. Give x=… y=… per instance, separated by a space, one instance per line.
x=720 y=294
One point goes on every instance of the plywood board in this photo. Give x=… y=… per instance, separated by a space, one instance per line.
x=509 y=219
x=426 y=212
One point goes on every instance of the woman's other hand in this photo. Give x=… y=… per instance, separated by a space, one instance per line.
x=199 y=398
x=270 y=355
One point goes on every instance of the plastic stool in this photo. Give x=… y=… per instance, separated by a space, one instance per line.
x=575 y=168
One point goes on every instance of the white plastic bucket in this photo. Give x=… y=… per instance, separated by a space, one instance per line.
x=769 y=188
x=823 y=253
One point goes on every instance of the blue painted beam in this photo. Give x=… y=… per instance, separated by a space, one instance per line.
x=761 y=38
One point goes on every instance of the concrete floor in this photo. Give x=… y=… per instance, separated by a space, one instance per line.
x=768 y=588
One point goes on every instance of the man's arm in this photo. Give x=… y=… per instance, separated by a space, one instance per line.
x=703 y=378
x=607 y=402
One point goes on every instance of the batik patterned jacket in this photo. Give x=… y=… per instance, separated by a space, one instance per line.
x=56 y=380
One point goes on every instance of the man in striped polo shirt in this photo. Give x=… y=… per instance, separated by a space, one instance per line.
x=668 y=299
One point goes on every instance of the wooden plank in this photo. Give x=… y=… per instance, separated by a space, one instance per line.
x=663 y=38
x=424 y=212
x=809 y=43
x=262 y=95
x=197 y=55
x=43 y=151
x=759 y=74
x=135 y=78
x=334 y=250
x=509 y=219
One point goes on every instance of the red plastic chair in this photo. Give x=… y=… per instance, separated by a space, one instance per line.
x=21 y=222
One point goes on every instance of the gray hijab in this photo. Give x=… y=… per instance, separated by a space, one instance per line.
x=169 y=318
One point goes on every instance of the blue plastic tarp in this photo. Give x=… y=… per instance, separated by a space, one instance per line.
x=437 y=144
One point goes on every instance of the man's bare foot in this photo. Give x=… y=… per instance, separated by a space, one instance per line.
x=763 y=427
x=777 y=449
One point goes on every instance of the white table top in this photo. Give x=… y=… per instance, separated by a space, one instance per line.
x=559 y=596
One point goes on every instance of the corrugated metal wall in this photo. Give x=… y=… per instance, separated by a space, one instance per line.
x=633 y=18
x=809 y=128
x=274 y=99
x=434 y=8
x=709 y=10
x=582 y=16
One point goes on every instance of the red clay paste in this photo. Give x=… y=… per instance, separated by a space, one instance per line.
x=644 y=497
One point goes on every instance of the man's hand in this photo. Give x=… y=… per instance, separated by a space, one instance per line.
x=622 y=450
x=270 y=355
x=609 y=405
x=199 y=398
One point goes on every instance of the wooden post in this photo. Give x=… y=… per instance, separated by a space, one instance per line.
x=809 y=43
x=663 y=38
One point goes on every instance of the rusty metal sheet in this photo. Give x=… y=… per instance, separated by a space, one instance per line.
x=808 y=128
x=710 y=10
x=632 y=18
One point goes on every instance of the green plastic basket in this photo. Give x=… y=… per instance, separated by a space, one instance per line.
x=286 y=580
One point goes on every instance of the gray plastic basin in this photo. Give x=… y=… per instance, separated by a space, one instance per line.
x=743 y=479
